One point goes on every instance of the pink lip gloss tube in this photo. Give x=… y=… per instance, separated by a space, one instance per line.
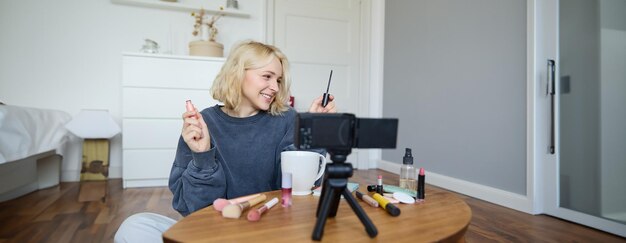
x=190 y=107
x=286 y=190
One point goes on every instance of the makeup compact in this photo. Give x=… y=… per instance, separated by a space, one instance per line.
x=403 y=198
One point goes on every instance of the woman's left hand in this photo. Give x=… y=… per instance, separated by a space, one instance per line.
x=316 y=106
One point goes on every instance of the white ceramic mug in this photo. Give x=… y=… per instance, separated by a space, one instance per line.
x=305 y=168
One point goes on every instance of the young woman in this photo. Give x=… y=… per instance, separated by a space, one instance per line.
x=230 y=150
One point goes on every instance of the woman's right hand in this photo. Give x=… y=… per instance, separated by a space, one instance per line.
x=195 y=132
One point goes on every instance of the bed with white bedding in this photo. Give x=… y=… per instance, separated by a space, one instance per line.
x=32 y=143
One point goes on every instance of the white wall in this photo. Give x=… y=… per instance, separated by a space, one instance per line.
x=66 y=54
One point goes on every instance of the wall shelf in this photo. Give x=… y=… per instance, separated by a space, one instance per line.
x=181 y=7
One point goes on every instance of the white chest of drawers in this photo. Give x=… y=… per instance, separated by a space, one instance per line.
x=154 y=90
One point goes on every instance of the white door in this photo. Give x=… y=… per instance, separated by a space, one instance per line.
x=583 y=55
x=317 y=37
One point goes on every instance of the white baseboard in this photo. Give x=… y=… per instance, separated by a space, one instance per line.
x=497 y=196
x=155 y=182
x=74 y=175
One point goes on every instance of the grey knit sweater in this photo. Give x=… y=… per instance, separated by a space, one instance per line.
x=244 y=159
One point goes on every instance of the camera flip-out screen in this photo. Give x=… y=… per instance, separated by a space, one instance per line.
x=344 y=131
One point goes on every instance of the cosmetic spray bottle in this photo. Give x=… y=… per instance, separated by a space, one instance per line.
x=408 y=173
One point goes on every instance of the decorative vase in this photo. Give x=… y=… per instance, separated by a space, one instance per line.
x=206 y=48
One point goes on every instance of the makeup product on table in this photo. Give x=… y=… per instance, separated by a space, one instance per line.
x=234 y=211
x=220 y=203
x=327 y=95
x=383 y=203
x=392 y=189
x=391 y=199
x=421 y=179
x=366 y=198
x=255 y=215
x=379 y=185
x=403 y=197
x=408 y=175
x=286 y=189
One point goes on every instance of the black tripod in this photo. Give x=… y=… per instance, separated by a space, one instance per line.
x=335 y=182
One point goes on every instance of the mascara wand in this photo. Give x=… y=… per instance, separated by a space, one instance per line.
x=326 y=95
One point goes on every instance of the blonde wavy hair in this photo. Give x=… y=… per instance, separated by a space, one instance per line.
x=250 y=55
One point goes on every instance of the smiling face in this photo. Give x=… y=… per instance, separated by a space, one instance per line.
x=260 y=87
x=255 y=77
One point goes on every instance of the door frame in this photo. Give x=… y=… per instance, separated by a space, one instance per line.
x=547 y=165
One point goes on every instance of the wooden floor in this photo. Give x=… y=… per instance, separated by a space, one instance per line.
x=54 y=215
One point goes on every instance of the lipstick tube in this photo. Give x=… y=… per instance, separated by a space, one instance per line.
x=421 y=179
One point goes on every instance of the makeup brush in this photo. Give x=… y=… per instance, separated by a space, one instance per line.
x=220 y=203
x=233 y=211
x=255 y=215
